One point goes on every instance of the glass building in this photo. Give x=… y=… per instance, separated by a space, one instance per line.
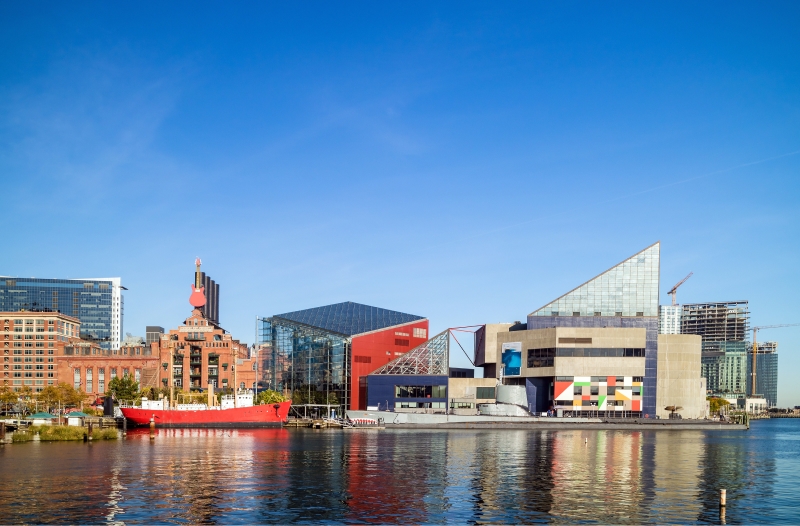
x=624 y=296
x=96 y=302
x=766 y=372
x=318 y=355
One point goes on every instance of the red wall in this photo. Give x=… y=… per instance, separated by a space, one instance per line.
x=379 y=348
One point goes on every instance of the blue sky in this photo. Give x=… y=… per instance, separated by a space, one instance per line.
x=464 y=162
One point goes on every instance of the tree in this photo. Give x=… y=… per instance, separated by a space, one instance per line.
x=715 y=404
x=123 y=388
x=270 y=397
x=61 y=395
x=7 y=397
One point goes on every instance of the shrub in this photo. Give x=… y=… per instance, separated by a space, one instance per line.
x=22 y=436
x=109 y=433
x=54 y=433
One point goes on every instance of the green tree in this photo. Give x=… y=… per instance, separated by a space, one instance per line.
x=123 y=388
x=270 y=397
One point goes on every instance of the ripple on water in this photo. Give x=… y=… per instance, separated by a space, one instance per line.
x=406 y=476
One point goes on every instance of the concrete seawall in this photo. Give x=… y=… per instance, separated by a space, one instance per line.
x=441 y=421
x=587 y=426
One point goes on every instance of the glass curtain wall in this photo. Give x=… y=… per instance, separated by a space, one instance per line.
x=307 y=363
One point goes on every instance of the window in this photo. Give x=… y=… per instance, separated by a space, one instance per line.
x=398 y=333
x=578 y=390
x=420 y=391
x=101 y=380
x=541 y=357
x=574 y=340
x=484 y=392
x=76 y=378
x=113 y=372
x=594 y=390
x=420 y=333
x=362 y=359
x=398 y=341
x=125 y=371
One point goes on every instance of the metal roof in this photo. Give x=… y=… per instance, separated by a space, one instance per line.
x=349 y=318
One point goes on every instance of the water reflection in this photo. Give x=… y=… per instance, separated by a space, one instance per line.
x=406 y=476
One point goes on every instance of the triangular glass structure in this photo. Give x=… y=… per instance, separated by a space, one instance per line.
x=627 y=289
x=431 y=357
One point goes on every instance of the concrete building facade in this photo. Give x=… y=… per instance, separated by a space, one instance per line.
x=596 y=349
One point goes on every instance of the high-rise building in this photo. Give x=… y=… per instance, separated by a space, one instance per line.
x=96 y=302
x=153 y=333
x=723 y=327
x=669 y=319
x=324 y=354
x=766 y=372
x=211 y=309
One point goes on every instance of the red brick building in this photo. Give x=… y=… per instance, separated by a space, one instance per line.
x=202 y=355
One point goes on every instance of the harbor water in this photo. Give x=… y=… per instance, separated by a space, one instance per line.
x=408 y=476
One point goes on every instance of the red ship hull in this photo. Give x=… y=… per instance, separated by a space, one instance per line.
x=267 y=415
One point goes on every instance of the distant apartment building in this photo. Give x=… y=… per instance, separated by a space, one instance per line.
x=766 y=372
x=96 y=302
x=669 y=319
x=44 y=348
x=723 y=327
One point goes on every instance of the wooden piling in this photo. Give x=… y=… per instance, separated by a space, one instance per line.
x=723 y=498
x=3 y=432
x=152 y=428
x=124 y=426
x=90 y=430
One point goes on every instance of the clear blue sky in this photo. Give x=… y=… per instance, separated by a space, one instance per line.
x=465 y=162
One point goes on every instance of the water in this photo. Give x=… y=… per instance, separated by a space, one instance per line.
x=407 y=476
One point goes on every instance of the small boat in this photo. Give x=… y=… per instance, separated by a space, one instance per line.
x=236 y=411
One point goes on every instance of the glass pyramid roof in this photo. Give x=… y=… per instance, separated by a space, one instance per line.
x=431 y=357
x=627 y=289
x=349 y=318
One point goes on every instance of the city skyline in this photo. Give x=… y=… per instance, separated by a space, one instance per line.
x=458 y=165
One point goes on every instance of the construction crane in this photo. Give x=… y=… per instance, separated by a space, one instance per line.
x=755 y=349
x=674 y=289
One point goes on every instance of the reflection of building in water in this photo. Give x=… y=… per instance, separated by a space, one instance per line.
x=507 y=475
x=599 y=480
x=676 y=473
x=391 y=478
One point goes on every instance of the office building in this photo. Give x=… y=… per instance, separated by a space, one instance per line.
x=723 y=328
x=766 y=372
x=596 y=349
x=96 y=302
x=322 y=355
x=153 y=334
x=669 y=319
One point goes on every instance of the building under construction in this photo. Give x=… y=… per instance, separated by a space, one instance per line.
x=723 y=327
